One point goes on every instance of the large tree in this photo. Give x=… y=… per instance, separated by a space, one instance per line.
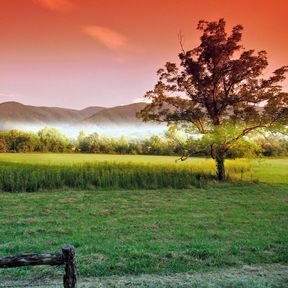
x=219 y=91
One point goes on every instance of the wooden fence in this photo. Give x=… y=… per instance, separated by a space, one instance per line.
x=67 y=258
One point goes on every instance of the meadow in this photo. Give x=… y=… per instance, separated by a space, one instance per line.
x=37 y=171
x=142 y=228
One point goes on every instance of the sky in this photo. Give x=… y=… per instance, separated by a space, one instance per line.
x=79 y=53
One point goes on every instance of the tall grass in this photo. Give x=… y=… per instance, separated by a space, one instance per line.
x=20 y=177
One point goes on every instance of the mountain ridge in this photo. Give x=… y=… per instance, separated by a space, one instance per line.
x=15 y=112
x=116 y=115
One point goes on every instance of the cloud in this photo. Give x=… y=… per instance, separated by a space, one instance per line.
x=109 y=38
x=56 y=5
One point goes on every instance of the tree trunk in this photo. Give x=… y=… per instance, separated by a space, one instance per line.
x=220 y=168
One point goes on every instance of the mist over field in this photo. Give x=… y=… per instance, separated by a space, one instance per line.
x=109 y=130
x=112 y=122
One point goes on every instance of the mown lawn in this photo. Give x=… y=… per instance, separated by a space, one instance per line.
x=150 y=231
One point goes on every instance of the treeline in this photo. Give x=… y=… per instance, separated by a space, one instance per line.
x=51 y=140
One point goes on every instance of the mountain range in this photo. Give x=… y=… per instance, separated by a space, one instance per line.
x=14 y=112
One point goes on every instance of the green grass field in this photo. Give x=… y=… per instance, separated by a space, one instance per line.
x=135 y=231
x=78 y=158
x=34 y=172
x=262 y=170
x=151 y=231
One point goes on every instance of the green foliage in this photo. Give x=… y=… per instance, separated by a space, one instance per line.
x=273 y=146
x=172 y=143
x=18 y=141
x=51 y=140
x=3 y=145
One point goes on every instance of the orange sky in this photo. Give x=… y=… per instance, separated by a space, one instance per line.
x=77 y=53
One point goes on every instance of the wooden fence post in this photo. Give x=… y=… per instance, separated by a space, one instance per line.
x=31 y=260
x=70 y=275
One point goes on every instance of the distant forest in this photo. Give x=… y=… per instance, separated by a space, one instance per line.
x=51 y=140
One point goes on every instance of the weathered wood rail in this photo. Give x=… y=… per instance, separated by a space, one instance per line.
x=67 y=258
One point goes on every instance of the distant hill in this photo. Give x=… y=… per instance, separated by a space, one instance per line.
x=125 y=114
x=14 y=112
x=90 y=111
x=17 y=112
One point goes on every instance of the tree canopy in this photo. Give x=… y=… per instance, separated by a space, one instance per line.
x=219 y=91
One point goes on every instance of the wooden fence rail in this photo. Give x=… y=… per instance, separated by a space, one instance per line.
x=67 y=258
